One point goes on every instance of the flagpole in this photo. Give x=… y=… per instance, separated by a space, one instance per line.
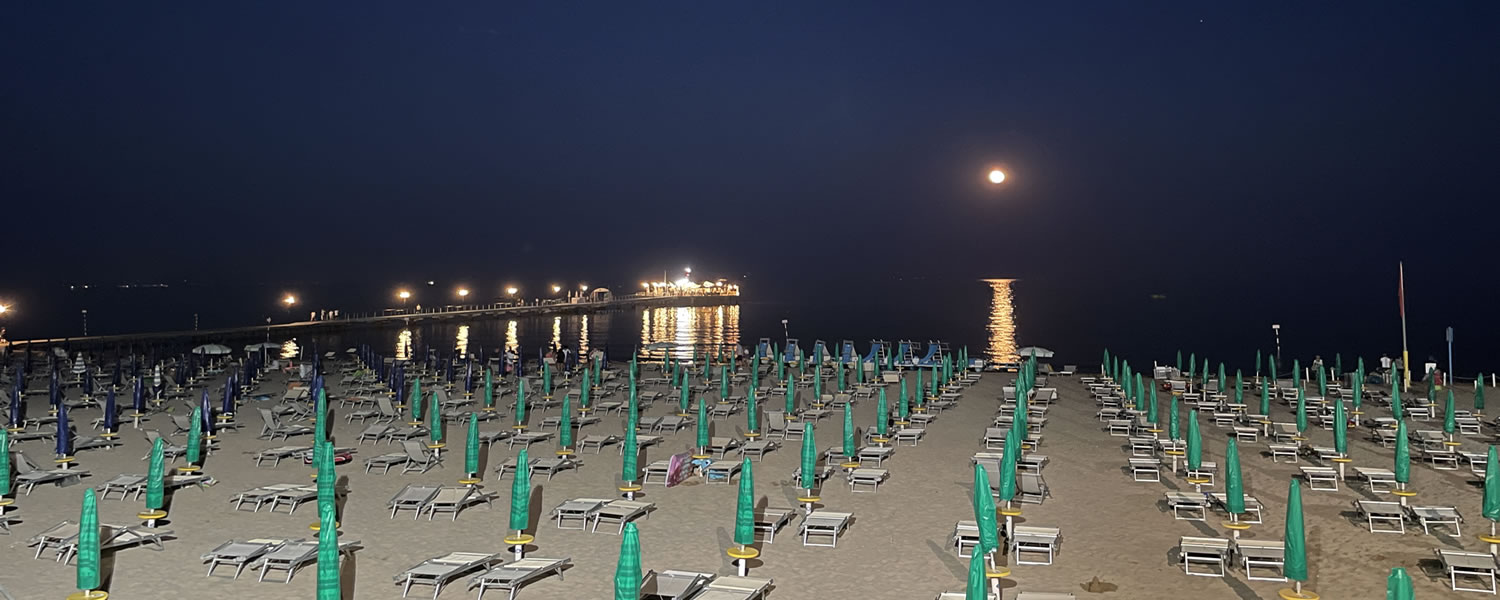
x=1401 y=301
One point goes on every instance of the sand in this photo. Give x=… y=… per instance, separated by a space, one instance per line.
x=898 y=548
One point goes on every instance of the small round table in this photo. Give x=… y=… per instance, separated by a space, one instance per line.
x=742 y=556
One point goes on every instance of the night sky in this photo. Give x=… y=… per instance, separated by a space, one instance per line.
x=1208 y=150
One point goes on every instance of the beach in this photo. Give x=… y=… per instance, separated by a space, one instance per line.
x=899 y=546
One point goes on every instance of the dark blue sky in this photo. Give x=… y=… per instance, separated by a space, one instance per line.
x=1205 y=148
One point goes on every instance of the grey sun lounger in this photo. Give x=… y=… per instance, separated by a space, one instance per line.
x=402 y=434
x=620 y=512
x=553 y=465
x=262 y=495
x=510 y=577
x=1468 y=565
x=121 y=484
x=238 y=554
x=1211 y=552
x=870 y=477
x=598 y=442
x=28 y=475
x=439 y=570
x=373 y=433
x=526 y=439
x=769 y=520
x=1374 y=512
x=673 y=585
x=824 y=524
x=276 y=454
x=1261 y=554
x=419 y=458
x=414 y=497
x=759 y=448
x=291 y=556
x=63 y=539
x=453 y=499
x=1430 y=516
x=576 y=509
x=384 y=462
x=735 y=588
x=720 y=470
x=509 y=464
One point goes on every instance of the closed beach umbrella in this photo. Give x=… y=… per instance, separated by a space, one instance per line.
x=4 y=462
x=521 y=401
x=1396 y=399
x=565 y=426
x=1192 y=365
x=1491 y=507
x=723 y=382
x=1172 y=430
x=1301 y=411
x=329 y=587
x=702 y=425
x=1403 y=455
x=849 y=449
x=546 y=380
x=918 y=389
x=1140 y=393
x=903 y=409
x=583 y=395
x=520 y=493
x=1194 y=443
x=1151 y=414
x=1234 y=485
x=1295 y=567
x=471 y=446
x=155 y=474
x=1239 y=387
x=489 y=388
x=88 y=544
x=1179 y=360
x=1398 y=585
x=195 y=438
x=744 y=510
x=1104 y=367
x=1322 y=382
x=111 y=412
x=1449 y=419
x=808 y=476
x=1271 y=362
x=1479 y=394
x=327 y=500
x=1008 y=466
x=984 y=513
x=1257 y=363
x=791 y=399
x=976 y=587
x=1359 y=386
x=320 y=416
x=138 y=400
x=629 y=470
x=628 y=566
x=684 y=400
x=65 y=430
x=1223 y=381
x=416 y=399
x=1340 y=428
x=435 y=420
x=882 y=414
x=1297 y=374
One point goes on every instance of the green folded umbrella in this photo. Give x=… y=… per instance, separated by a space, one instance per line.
x=415 y=399
x=744 y=510
x=977 y=586
x=1271 y=364
x=1234 y=485
x=1322 y=382
x=1479 y=394
x=1450 y=422
x=630 y=454
x=1192 y=364
x=1194 y=443
x=1223 y=381
x=520 y=493
x=849 y=447
x=882 y=414
x=5 y=462
x=155 y=475
x=1403 y=455
x=195 y=439
x=320 y=417
x=565 y=426
x=88 y=542
x=1140 y=393
x=1151 y=414
x=435 y=420
x=703 y=440
x=1491 y=506
x=752 y=418
x=1396 y=411
x=628 y=566
x=684 y=400
x=546 y=380
x=903 y=409
x=1179 y=360
x=1297 y=373
x=471 y=447
x=1239 y=387
x=1265 y=399
x=791 y=399
x=1359 y=387
x=329 y=586
x=1257 y=363
x=521 y=400
x=918 y=389
x=808 y=476
x=1301 y=411
x=1104 y=368
x=1340 y=428
x=1294 y=565
x=1008 y=466
x=583 y=395
x=1398 y=585
x=984 y=513
x=1338 y=364
x=489 y=388
x=1172 y=430
x=723 y=383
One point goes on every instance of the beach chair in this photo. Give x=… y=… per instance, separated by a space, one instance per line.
x=121 y=484
x=1430 y=516
x=721 y=471
x=62 y=539
x=1380 y=481
x=453 y=499
x=994 y=438
x=869 y=477
x=373 y=433
x=553 y=465
x=910 y=435
x=776 y=425
x=1252 y=506
x=720 y=447
x=1287 y=451
x=597 y=442
x=1382 y=512
x=825 y=525
x=1285 y=433
x=276 y=454
x=1027 y=539
x=259 y=496
x=1321 y=478
x=272 y=427
x=1031 y=488
x=29 y=475
x=672 y=424
x=405 y=433
x=673 y=585
x=735 y=588
x=419 y=458
x=965 y=538
x=1211 y=553
x=577 y=509
x=439 y=570
x=873 y=455
x=1468 y=565
x=527 y=438
x=238 y=554
x=759 y=448
x=1187 y=506
x=620 y=512
x=512 y=576
x=169 y=451
x=1261 y=554
x=386 y=461
x=1145 y=469
x=414 y=497
x=509 y=464
x=770 y=520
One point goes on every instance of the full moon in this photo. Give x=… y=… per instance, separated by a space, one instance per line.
x=997 y=176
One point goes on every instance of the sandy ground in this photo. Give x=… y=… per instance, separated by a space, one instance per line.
x=1113 y=528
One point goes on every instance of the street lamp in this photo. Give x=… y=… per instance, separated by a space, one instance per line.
x=463 y=292
x=4 y=309
x=583 y=287
x=556 y=289
x=997 y=176
x=403 y=295
x=289 y=300
x=511 y=291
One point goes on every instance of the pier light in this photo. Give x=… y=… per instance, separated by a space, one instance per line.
x=643 y=284
x=997 y=176
x=583 y=287
x=4 y=309
x=289 y=300
x=511 y=291
x=403 y=294
x=463 y=292
x=556 y=289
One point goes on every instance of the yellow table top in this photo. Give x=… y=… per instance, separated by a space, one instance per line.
x=468 y=481
x=742 y=552
x=1010 y=512
x=520 y=540
x=1198 y=480
x=1175 y=453
x=89 y=595
x=1486 y=538
x=1343 y=459
x=752 y=434
x=151 y=514
x=1289 y=594
x=319 y=526
x=808 y=499
x=1404 y=493
x=1236 y=525
x=997 y=573
x=629 y=488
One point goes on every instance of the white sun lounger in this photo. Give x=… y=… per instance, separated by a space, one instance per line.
x=62 y=539
x=414 y=497
x=1026 y=539
x=527 y=438
x=1382 y=512
x=1321 y=478
x=511 y=577
x=1187 y=506
x=1252 y=506
x=453 y=499
x=1212 y=552
x=874 y=454
x=620 y=512
x=577 y=509
x=824 y=524
x=1145 y=469
x=439 y=570
x=291 y=556
x=867 y=477
x=598 y=442
x=28 y=475
x=121 y=484
x=735 y=588
x=1261 y=554
x=1380 y=481
x=385 y=461
x=673 y=585
x=1468 y=565
x=1430 y=516
x=238 y=554
x=770 y=520
x=276 y=454
x=553 y=465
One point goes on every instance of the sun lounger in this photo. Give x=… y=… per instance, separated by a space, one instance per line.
x=439 y=570
x=824 y=524
x=1261 y=554
x=1145 y=469
x=29 y=475
x=373 y=433
x=386 y=461
x=874 y=455
x=722 y=471
x=1321 y=478
x=865 y=476
x=1026 y=539
x=276 y=454
x=527 y=438
x=553 y=465
x=1212 y=553
x=598 y=442
x=673 y=585
x=1187 y=506
x=720 y=447
x=1042 y=596
x=414 y=497
x=759 y=448
x=121 y=484
x=577 y=509
x=1430 y=516
x=272 y=426
x=735 y=588
x=62 y=539
x=405 y=433
x=1380 y=481
x=419 y=458
x=1382 y=512
x=620 y=512
x=238 y=554
x=453 y=499
x=1287 y=451
x=770 y=520
x=511 y=577
x=1468 y=565
x=911 y=435
x=1252 y=506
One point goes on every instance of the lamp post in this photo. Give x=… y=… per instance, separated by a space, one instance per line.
x=287 y=303
x=403 y=295
x=1276 y=329
x=463 y=293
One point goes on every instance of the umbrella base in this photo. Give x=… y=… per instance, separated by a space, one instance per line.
x=89 y=595
x=189 y=469
x=1290 y=594
x=469 y=481
x=752 y=435
x=319 y=526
